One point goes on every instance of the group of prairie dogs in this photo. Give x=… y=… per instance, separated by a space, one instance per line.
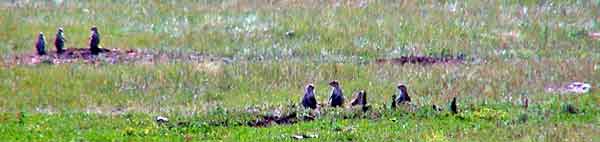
x=337 y=98
x=59 y=42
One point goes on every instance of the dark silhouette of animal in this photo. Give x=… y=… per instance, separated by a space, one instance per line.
x=394 y=103
x=337 y=97
x=525 y=102
x=453 y=106
x=402 y=94
x=40 y=44
x=360 y=99
x=59 y=41
x=94 y=41
x=309 y=100
x=569 y=108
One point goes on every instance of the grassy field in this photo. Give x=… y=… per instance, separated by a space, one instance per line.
x=513 y=50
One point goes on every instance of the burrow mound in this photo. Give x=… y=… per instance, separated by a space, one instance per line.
x=111 y=56
x=120 y=56
x=423 y=60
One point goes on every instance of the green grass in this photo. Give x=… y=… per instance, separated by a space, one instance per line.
x=75 y=102
x=478 y=124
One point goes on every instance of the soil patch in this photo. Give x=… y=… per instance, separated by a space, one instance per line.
x=423 y=60
x=110 y=56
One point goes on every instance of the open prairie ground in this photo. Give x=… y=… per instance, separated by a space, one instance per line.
x=232 y=70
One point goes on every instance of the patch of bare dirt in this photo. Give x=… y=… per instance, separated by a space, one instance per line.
x=569 y=88
x=110 y=56
x=268 y=120
x=423 y=60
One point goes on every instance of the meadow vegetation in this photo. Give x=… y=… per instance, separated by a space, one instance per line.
x=512 y=50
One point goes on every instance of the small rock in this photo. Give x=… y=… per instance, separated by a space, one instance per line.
x=227 y=60
x=161 y=119
x=310 y=136
x=290 y=33
x=363 y=4
x=511 y=34
x=304 y=136
x=573 y=87
x=578 y=87
x=252 y=110
x=394 y=119
x=35 y=60
x=594 y=35
x=118 y=111
x=436 y=108
x=298 y=137
x=348 y=129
